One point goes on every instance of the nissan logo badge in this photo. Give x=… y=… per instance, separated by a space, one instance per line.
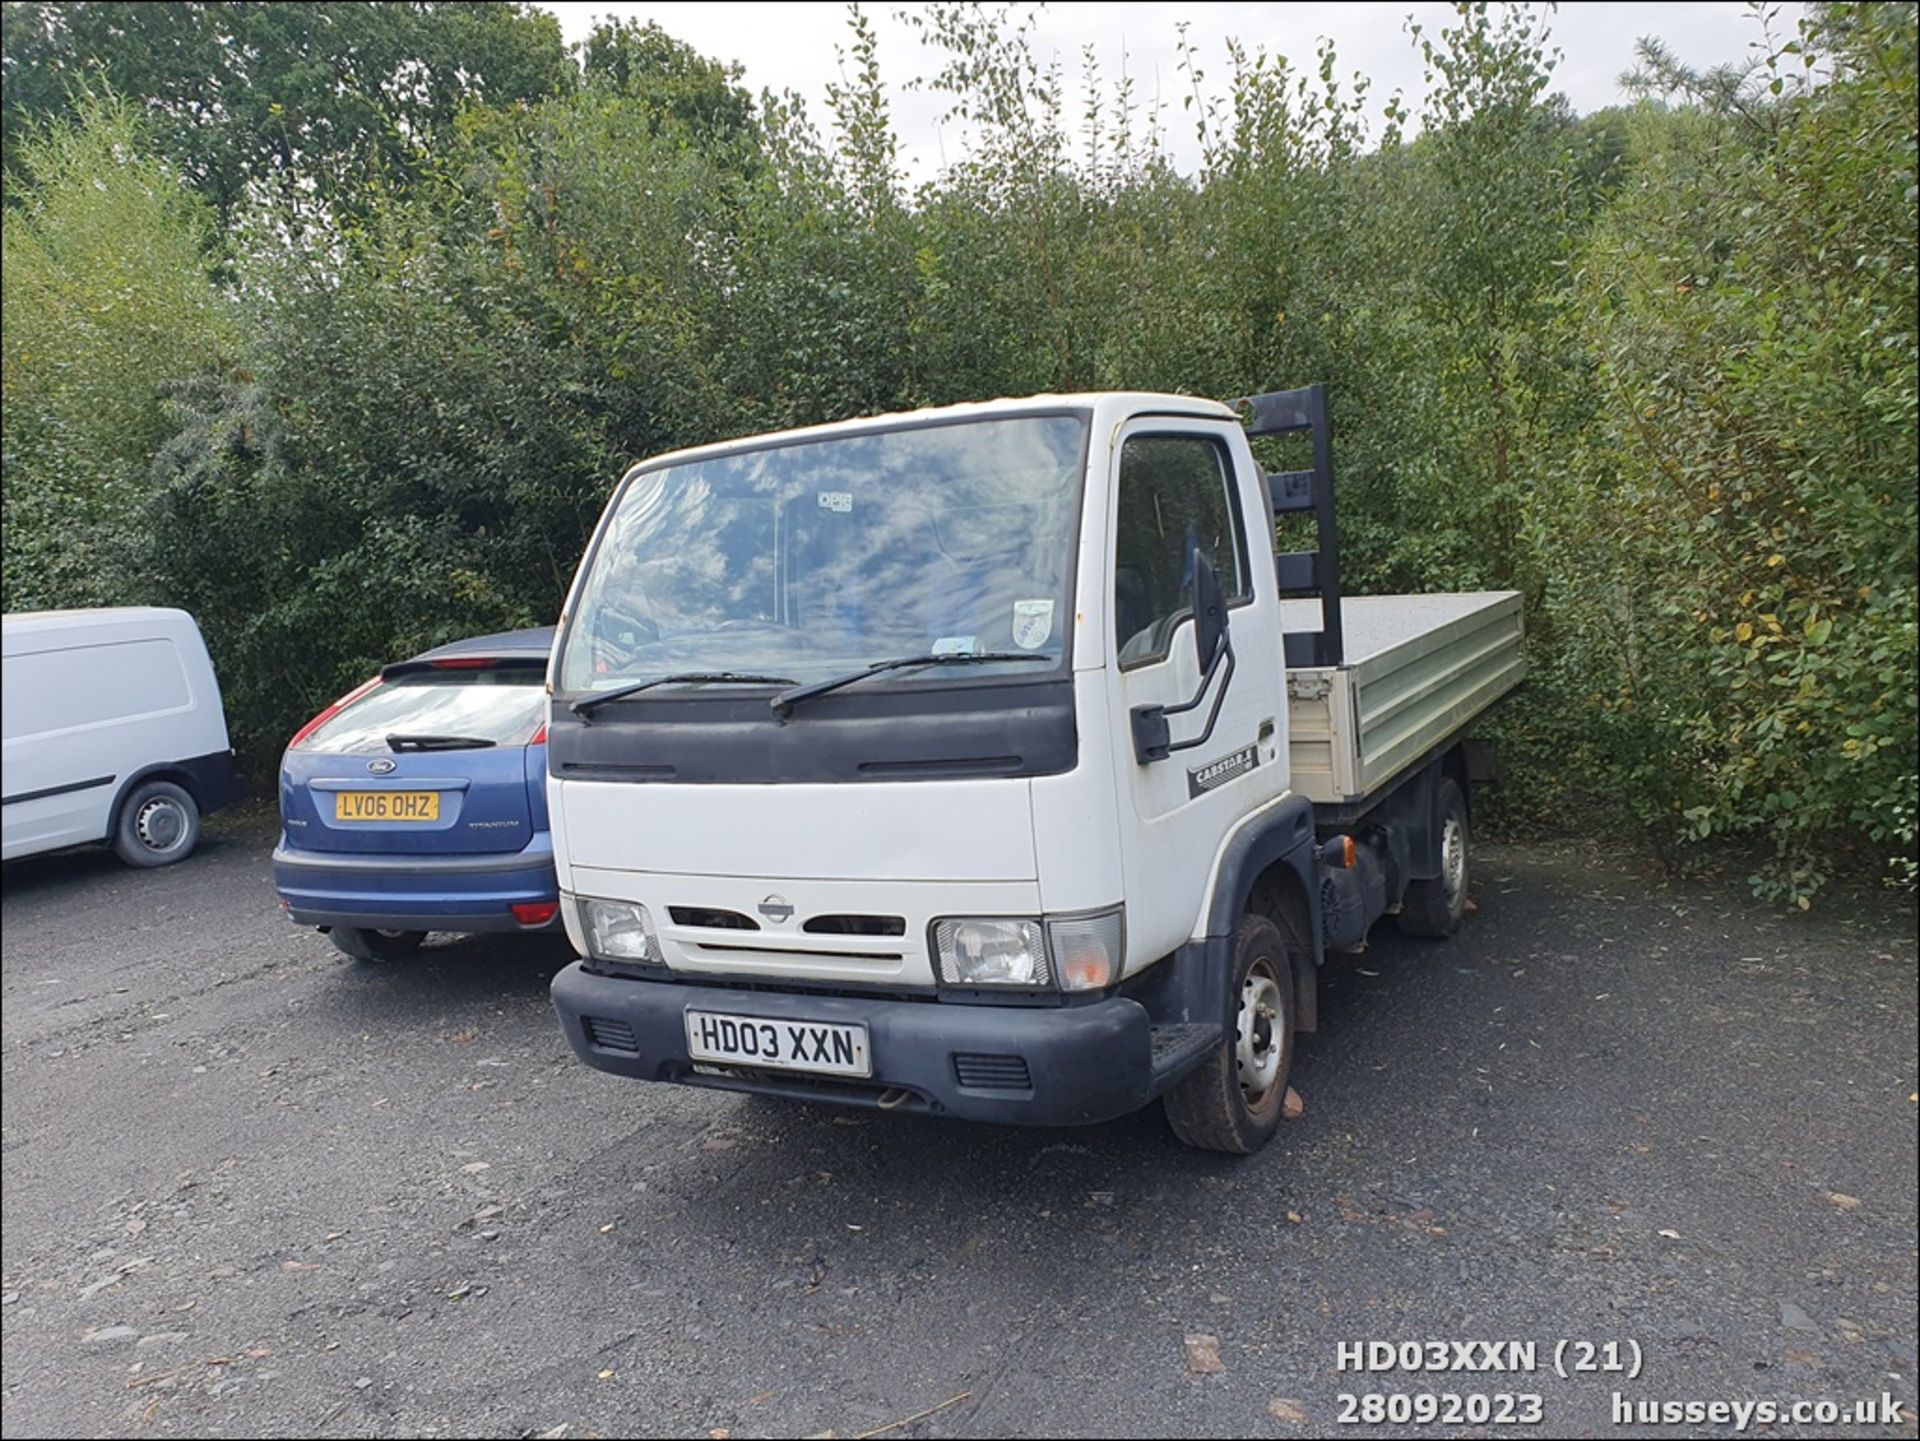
x=381 y=766
x=776 y=908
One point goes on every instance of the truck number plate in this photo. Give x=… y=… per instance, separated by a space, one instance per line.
x=838 y=1050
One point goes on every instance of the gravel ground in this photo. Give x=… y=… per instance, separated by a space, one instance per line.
x=253 y=1189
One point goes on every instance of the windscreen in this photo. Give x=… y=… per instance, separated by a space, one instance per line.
x=503 y=705
x=806 y=560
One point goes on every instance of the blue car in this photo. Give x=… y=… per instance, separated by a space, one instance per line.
x=418 y=802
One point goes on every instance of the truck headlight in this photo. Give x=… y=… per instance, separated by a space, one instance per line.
x=618 y=930
x=991 y=953
x=1089 y=952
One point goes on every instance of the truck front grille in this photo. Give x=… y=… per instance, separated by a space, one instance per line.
x=856 y=926
x=712 y=919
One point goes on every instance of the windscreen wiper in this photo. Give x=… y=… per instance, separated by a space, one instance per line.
x=588 y=703
x=784 y=703
x=437 y=743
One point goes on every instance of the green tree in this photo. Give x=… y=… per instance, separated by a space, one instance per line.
x=410 y=458
x=1750 y=300
x=105 y=295
x=304 y=99
x=1498 y=211
x=681 y=86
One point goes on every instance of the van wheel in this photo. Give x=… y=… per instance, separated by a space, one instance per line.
x=159 y=824
x=376 y=946
x=1435 y=907
x=1233 y=1101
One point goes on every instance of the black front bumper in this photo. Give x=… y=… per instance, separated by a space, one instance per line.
x=1025 y=1065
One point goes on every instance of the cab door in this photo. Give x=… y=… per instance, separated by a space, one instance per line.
x=1181 y=484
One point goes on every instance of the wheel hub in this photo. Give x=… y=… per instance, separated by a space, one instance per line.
x=159 y=825
x=1453 y=857
x=1257 y=1042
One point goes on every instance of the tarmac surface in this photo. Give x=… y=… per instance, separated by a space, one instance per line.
x=253 y=1188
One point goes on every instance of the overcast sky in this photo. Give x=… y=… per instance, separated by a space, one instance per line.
x=793 y=46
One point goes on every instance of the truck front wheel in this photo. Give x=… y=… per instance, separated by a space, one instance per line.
x=1232 y=1102
x=1435 y=907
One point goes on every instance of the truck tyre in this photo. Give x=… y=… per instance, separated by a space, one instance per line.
x=1435 y=907
x=1232 y=1102
x=158 y=825
x=376 y=946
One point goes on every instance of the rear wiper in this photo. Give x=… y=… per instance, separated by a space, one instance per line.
x=437 y=743
x=784 y=703
x=714 y=677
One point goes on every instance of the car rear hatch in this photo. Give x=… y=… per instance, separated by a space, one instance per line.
x=431 y=758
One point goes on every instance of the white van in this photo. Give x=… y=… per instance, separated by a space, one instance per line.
x=112 y=732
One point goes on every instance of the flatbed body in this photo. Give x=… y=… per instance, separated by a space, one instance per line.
x=1418 y=670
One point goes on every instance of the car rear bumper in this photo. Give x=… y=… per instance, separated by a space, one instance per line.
x=416 y=892
x=1025 y=1065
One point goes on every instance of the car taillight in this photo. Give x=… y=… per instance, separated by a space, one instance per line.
x=539 y=736
x=463 y=662
x=534 y=913
x=331 y=711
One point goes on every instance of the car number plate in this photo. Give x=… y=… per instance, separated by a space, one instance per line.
x=386 y=806
x=838 y=1050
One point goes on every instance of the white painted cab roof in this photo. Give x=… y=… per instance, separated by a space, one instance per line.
x=1092 y=402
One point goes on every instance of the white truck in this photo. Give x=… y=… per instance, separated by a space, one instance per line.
x=983 y=762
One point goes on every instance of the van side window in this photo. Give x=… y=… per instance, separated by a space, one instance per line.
x=1176 y=492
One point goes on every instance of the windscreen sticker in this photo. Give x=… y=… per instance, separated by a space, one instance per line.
x=954 y=645
x=840 y=502
x=1032 y=623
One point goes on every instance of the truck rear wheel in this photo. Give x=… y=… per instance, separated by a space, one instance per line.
x=1435 y=907
x=1232 y=1102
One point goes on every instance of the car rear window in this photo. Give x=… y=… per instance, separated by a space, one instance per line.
x=504 y=706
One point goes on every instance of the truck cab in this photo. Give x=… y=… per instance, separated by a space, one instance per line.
x=942 y=762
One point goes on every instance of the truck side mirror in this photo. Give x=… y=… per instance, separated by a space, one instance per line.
x=1209 y=612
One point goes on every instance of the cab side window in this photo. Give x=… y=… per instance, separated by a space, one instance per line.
x=1176 y=493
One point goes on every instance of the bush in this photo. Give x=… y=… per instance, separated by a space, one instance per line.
x=1750 y=301
x=106 y=297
